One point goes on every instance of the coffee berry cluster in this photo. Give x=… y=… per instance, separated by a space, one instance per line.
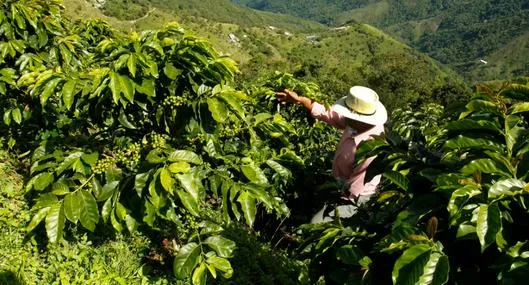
x=103 y=164
x=130 y=156
x=157 y=140
x=173 y=101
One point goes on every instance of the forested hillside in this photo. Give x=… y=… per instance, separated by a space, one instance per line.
x=457 y=33
x=262 y=43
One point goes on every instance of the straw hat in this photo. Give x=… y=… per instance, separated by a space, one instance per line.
x=362 y=104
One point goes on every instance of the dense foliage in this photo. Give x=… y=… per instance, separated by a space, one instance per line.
x=137 y=132
x=453 y=206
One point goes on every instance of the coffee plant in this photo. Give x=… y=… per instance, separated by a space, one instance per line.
x=137 y=131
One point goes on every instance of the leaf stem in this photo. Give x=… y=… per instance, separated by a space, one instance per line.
x=86 y=182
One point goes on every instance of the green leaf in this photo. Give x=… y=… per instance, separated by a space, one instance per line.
x=55 y=223
x=465 y=229
x=189 y=202
x=234 y=103
x=460 y=196
x=59 y=188
x=470 y=125
x=115 y=86
x=68 y=161
x=49 y=90
x=17 y=116
x=191 y=183
x=369 y=148
x=166 y=180
x=485 y=165
x=254 y=174
x=221 y=264
x=506 y=187
x=140 y=181
x=179 y=167
x=72 y=207
x=223 y=246
x=513 y=130
x=89 y=214
x=7 y=117
x=68 y=93
x=186 y=260
x=184 y=155
x=43 y=180
x=106 y=210
x=37 y=218
x=107 y=191
x=420 y=264
x=125 y=121
x=199 y=276
x=147 y=87
x=171 y=71
x=248 y=208
x=519 y=108
x=463 y=142
x=90 y=158
x=155 y=156
x=480 y=106
x=115 y=223
x=127 y=87
x=436 y=270
x=280 y=169
x=349 y=254
x=398 y=179
x=131 y=65
x=488 y=224
x=218 y=109
x=131 y=223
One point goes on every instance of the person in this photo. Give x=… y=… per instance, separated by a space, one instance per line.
x=360 y=115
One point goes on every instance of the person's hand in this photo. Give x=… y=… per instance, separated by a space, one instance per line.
x=285 y=95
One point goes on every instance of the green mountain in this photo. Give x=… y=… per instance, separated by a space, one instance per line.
x=262 y=42
x=481 y=39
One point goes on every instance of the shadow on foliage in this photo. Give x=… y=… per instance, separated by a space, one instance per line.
x=9 y=278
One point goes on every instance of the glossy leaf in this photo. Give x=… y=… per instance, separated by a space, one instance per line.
x=507 y=187
x=463 y=142
x=43 y=180
x=190 y=203
x=166 y=180
x=398 y=179
x=199 y=275
x=222 y=246
x=89 y=214
x=485 y=165
x=184 y=155
x=221 y=264
x=248 y=208
x=37 y=218
x=218 y=109
x=68 y=93
x=488 y=224
x=72 y=207
x=420 y=265
x=55 y=223
x=186 y=260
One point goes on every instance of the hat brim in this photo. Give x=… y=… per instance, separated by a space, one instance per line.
x=378 y=118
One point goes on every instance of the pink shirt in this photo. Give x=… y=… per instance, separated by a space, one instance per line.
x=343 y=163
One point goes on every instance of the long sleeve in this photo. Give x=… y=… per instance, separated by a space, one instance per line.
x=328 y=115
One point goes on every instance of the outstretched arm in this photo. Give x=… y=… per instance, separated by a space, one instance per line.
x=317 y=110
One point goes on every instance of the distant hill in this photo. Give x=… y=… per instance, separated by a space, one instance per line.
x=335 y=58
x=457 y=33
